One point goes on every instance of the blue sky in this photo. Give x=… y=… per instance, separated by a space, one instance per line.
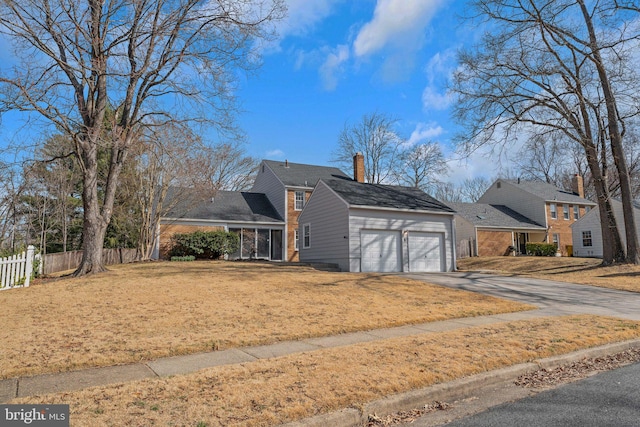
x=337 y=60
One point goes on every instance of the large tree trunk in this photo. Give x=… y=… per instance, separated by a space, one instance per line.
x=612 y=249
x=615 y=139
x=94 y=226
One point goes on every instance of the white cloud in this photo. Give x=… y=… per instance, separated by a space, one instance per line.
x=275 y=154
x=424 y=132
x=332 y=66
x=432 y=99
x=304 y=15
x=439 y=70
x=400 y=23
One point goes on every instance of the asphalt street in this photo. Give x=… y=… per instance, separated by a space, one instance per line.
x=553 y=297
x=608 y=399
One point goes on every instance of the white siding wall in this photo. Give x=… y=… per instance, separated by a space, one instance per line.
x=591 y=221
x=369 y=219
x=517 y=199
x=268 y=183
x=329 y=219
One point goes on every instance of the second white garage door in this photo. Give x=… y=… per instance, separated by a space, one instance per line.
x=425 y=251
x=380 y=251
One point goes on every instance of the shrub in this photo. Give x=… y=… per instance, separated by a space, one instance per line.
x=183 y=258
x=541 y=249
x=204 y=244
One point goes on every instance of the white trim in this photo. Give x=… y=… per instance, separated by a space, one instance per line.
x=418 y=211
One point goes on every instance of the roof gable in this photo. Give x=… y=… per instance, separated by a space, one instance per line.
x=359 y=194
x=547 y=192
x=493 y=216
x=301 y=175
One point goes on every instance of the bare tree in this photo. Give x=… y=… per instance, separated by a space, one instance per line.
x=167 y=59
x=532 y=71
x=375 y=137
x=472 y=189
x=448 y=192
x=230 y=168
x=422 y=166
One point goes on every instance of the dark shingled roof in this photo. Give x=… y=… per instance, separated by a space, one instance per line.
x=548 y=192
x=233 y=206
x=299 y=175
x=494 y=216
x=385 y=196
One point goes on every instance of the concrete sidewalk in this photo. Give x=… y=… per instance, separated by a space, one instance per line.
x=179 y=365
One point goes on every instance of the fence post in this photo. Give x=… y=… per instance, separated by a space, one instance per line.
x=31 y=250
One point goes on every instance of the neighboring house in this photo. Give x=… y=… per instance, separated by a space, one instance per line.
x=376 y=228
x=251 y=215
x=493 y=230
x=587 y=234
x=288 y=187
x=544 y=204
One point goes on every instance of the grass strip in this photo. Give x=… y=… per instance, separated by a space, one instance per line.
x=269 y=392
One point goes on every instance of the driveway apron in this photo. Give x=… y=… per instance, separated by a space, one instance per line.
x=553 y=298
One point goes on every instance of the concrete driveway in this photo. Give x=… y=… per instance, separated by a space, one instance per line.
x=553 y=298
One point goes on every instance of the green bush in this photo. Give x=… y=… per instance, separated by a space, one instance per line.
x=183 y=258
x=541 y=249
x=204 y=244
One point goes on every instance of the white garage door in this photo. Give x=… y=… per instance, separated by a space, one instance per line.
x=425 y=251
x=380 y=251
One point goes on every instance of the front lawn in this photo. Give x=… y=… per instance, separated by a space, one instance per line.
x=144 y=311
x=273 y=391
x=587 y=271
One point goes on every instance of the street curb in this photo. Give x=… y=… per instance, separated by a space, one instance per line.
x=454 y=390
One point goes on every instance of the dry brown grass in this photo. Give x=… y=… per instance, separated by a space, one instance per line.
x=268 y=392
x=586 y=271
x=145 y=311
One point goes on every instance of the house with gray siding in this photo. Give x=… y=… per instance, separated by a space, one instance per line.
x=587 y=234
x=288 y=186
x=376 y=228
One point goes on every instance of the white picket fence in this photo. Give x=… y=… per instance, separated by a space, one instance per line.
x=16 y=270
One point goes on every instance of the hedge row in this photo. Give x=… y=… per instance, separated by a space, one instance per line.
x=541 y=249
x=204 y=244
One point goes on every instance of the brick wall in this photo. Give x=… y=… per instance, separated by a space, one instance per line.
x=562 y=226
x=494 y=243
x=292 y=224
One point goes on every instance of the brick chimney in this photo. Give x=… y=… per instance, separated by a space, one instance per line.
x=577 y=185
x=358 y=167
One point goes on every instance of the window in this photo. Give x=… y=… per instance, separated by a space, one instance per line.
x=296 y=237
x=554 y=212
x=586 y=238
x=307 y=235
x=299 y=200
x=587 y=209
x=556 y=240
x=565 y=211
x=576 y=212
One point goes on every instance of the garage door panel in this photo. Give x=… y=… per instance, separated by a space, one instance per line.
x=425 y=251
x=380 y=251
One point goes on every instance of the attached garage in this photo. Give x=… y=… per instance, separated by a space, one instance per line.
x=377 y=228
x=380 y=251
